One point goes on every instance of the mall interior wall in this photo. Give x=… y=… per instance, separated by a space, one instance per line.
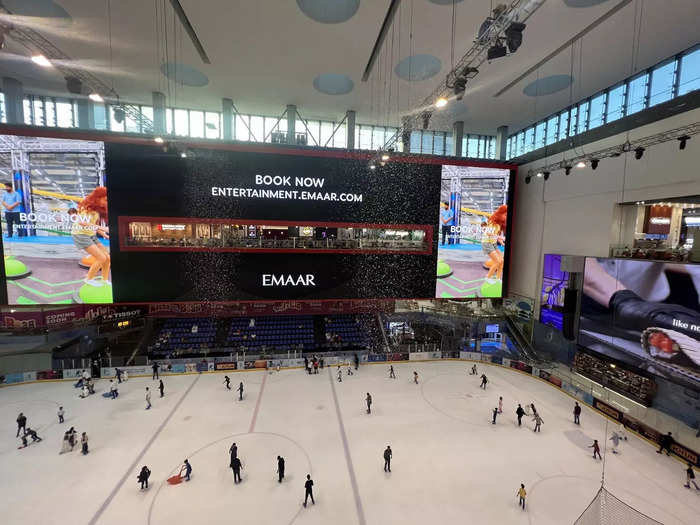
x=580 y=214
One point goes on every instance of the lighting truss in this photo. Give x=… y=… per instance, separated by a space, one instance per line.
x=476 y=55
x=627 y=147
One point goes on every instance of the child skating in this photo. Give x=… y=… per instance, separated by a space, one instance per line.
x=392 y=375
x=368 y=399
x=521 y=495
x=240 y=391
x=596 y=449
x=148 y=399
x=415 y=377
x=227 y=382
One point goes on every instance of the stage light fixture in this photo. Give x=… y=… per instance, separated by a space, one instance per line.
x=441 y=102
x=540 y=174
x=567 y=170
x=183 y=154
x=580 y=164
x=514 y=36
x=594 y=163
x=385 y=157
x=546 y=175
x=158 y=140
x=639 y=152
x=41 y=60
x=96 y=97
x=497 y=50
x=682 y=141
x=372 y=166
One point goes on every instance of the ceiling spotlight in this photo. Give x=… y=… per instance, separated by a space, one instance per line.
x=514 y=36
x=158 y=140
x=96 y=97
x=594 y=163
x=498 y=50
x=639 y=152
x=183 y=154
x=385 y=157
x=41 y=60
x=567 y=170
x=441 y=102
x=528 y=178
x=580 y=164
x=540 y=174
x=683 y=141
x=546 y=175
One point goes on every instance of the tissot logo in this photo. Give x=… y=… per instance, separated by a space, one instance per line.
x=288 y=279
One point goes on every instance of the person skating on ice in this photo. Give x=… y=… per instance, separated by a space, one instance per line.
x=368 y=400
x=577 y=413
x=280 y=468
x=32 y=434
x=161 y=387
x=474 y=371
x=484 y=380
x=155 y=367
x=236 y=466
x=233 y=451
x=615 y=438
x=320 y=362
x=392 y=375
x=690 y=477
x=61 y=413
x=21 y=423
x=148 y=398
x=357 y=361
x=665 y=443
x=520 y=413
x=240 y=391
x=227 y=382
x=309 y=490
x=340 y=375
x=538 y=422
x=188 y=470
x=596 y=449
x=119 y=375
x=143 y=477
x=84 y=443
x=350 y=371
x=522 y=494
x=315 y=365
x=495 y=413
x=113 y=389
x=500 y=405
x=387 y=459
x=534 y=410
x=415 y=377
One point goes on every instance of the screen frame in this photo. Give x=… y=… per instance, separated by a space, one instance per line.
x=265 y=148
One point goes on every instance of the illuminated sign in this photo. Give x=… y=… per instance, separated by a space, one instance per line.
x=172 y=227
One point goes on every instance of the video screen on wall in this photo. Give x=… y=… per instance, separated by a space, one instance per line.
x=554 y=284
x=101 y=222
x=645 y=313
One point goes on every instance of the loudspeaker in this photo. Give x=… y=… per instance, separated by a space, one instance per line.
x=568 y=326
x=570 y=300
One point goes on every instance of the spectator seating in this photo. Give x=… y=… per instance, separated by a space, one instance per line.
x=346 y=330
x=280 y=332
x=185 y=334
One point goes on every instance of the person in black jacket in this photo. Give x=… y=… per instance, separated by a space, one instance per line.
x=484 y=380
x=240 y=391
x=227 y=382
x=280 y=468
x=665 y=443
x=236 y=466
x=387 y=459
x=161 y=387
x=368 y=399
x=155 y=371
x=143 y=477
x=577 y=413
x=309 y=490
x=21 y=424
x=520 y=413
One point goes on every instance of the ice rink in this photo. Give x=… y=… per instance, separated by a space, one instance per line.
x=450 y=464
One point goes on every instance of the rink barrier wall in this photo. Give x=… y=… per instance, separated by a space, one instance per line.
x=646 y=432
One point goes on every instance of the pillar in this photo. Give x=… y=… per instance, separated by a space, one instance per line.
x=86 y=113
x=350 y=129
x=501 y=142
x=159 y=126
x=14 y=100
x=457 y=136
x=406 y=129
x=227 y=116
x=291 y=124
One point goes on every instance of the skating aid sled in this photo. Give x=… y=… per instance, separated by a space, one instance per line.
x=177 y=478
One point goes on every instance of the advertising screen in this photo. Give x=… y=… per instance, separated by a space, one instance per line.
x=101 y=222
x=644 y=313
x=472 y=230
x=554 y=284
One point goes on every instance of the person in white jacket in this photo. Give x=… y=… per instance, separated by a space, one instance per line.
x=615 y=438
x=148 y=398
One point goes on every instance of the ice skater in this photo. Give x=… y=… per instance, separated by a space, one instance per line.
x=155 y=367
x=233 y=451
x=316 y=366
x=520 y=413
x=236 y=466
x=84 y=443
x=522 y=494
x=484 y=380
x=495 y=413
x=415 y=377
x=21 y=424
x=368 y=400
x=340 y=375
x=534 y=410
x=240 y=391
x=113 y=390
x=665 y=443
x=61 y=412
x=68 y=441
x=143 y=477
x=387 y=459
x=500 y=405
x=690 y=477
x=32 y=434
x=280 y=468
x=309 y=490
x=474 y=372
x=227 y=382
x=538 y=422
x=615 y=438
x=392 y=375
x=320 y=362
x=350 y=371
x=596 y=449
x=577 y=413
x=161 y=387
x=188 y=470
x=357 y=361
x=148 y=398
x=119 y=375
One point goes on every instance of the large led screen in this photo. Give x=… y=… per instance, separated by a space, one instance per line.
x=645 y=313
x=100 y=222
x=472 y=230
x=554 y=284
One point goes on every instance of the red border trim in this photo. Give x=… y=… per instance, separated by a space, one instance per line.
x=125 y=220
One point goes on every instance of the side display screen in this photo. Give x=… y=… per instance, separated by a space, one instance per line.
x=554 y=284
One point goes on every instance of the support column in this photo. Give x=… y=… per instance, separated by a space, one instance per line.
x=457 y=136
x=501 y=142
x=86 y=113
x=227 y=117
x=406 y=135
x=159 y=126
x=291 y=124
x=350 y=129
x=14 y=100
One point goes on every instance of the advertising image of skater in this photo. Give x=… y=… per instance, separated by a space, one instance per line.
x=240 y=391
x=484 y=381
x=227 y=382
x=522 y=494
x=665 y=443
x=368 y=400
x=186 y=470
x=309 y=490
x=596 y=449
x=84 y=443
x=280 y=469
x=520 y=413
x=387 y=459
x=577 y=413
x=61 y=413
x=155 y=368
x=690 y=477
x=392 y=375
x=148 y=399
x=161 y=387
x=236 y=466
x=143 y=477
x=538 y=422
x=21 y=423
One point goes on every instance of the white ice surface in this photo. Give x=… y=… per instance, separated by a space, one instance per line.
x=451 y=465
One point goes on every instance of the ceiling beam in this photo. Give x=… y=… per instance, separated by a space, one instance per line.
x=180 y=12
x=388 y=20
